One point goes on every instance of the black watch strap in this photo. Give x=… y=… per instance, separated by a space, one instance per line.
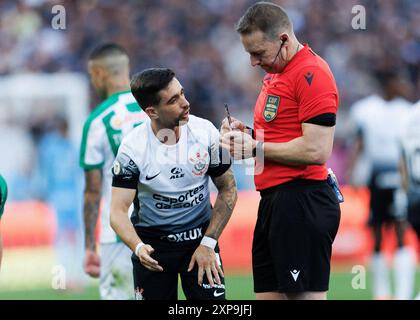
x=258 y=146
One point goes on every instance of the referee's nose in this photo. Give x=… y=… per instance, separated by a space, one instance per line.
x=255 y=61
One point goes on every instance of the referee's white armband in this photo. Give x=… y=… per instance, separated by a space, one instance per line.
x=138 y=247
x=208 y=242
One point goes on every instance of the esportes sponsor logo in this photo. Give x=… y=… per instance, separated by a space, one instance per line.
x=187 y=200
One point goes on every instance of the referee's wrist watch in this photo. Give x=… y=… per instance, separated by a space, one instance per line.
x=259 y=146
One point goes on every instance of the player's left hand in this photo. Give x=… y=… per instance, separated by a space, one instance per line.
x=207 y=263
x=92 y=263
x=239 y=144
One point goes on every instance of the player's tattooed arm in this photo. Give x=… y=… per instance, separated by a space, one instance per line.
x=92 y=198
x=225 y=202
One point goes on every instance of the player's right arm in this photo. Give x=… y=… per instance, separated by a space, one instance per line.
x=120 y=204
x=92 y=160
x=124 y=186
x=92 y=198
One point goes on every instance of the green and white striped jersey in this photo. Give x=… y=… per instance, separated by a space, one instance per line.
x=102 y=135
x=3 y=194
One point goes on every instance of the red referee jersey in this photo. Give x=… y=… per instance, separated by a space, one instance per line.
x=304 y=89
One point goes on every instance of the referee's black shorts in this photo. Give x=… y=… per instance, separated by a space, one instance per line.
x=174 y=252
x=296 y=226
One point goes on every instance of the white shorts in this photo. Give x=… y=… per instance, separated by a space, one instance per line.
x=116 y=280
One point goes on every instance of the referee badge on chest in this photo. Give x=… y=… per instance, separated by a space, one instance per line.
x=270 y=109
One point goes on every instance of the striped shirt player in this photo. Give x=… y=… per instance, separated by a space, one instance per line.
x=164 y=166
x=172 y=207
x=102 y=135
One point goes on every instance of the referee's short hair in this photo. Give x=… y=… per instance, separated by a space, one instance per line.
x=107 y=50
x=145 y=85
x=267 y=17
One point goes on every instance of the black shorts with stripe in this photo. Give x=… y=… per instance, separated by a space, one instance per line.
x=296 y=226
x=174 y=252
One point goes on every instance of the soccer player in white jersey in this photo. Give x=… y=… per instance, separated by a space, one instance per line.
x=164 y=165
x=379 y=122
x=103 y=131
x=410 y=168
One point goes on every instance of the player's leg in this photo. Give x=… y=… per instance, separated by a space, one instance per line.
x=302 y=230
x=320 y=215
x=379 y=267
x=380 y=204
x=264 y=277
x=404 y=265
x=190 y=285
x=116 y=279
x=152 y=285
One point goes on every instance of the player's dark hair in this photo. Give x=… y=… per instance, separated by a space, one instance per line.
x=267 y=17
x=145 y=85
x=107 y=50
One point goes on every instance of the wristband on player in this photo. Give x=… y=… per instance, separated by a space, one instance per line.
x=138 y=247
x=208 y=242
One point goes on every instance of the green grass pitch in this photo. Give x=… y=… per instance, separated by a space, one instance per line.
x=238 y=287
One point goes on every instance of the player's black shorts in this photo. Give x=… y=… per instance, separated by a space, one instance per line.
x=296 y=226
x=174 y=252
x=382 y=208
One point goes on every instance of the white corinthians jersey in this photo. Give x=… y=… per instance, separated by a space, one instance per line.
x=410 y=141
x=380 y=123
x=102 y=135
x=172 y=181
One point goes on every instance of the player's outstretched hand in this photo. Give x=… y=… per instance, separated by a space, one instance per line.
x=146 y=259
x=207 y=263
x=92 y=263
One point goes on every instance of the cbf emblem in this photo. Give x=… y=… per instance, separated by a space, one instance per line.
x=271 y=107
x=200 y=159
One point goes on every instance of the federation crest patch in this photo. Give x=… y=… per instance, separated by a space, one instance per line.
x=271 y=107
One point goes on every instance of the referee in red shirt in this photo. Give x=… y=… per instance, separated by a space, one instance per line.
x=294 y=122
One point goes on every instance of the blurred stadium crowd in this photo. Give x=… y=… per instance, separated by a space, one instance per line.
x=197 y=39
